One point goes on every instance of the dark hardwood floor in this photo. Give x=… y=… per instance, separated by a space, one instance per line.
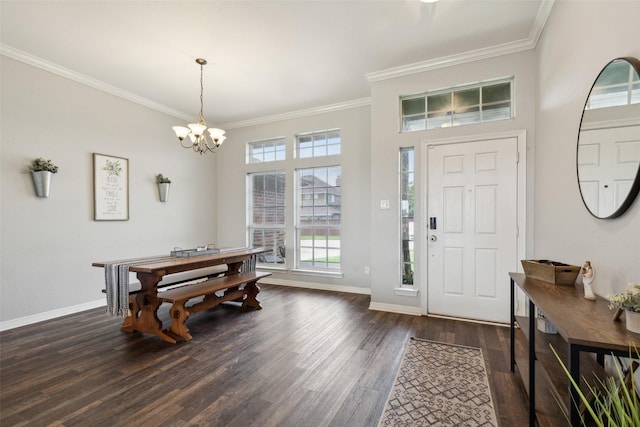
x=308 y=358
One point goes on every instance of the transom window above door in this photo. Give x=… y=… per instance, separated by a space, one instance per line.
x=462 y=105
x=618 y=84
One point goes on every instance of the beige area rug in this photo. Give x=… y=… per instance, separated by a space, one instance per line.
x=440 y=385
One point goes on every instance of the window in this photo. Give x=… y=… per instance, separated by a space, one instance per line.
x=406 y=213
x=267 y=214
x=318 y=144
x=618 y=84
x=318 y=195
x=268 y=150
x=465 y=105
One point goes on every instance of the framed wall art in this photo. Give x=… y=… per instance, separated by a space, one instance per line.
x=110 y=188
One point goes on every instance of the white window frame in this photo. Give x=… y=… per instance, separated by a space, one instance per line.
x=451 y=107
x=406 y=175
x=276 y=258
x=601 y=95
x=327 y=227
x=317 y=148
x=271 y=147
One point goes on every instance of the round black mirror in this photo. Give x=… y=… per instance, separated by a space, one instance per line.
x=608 y=153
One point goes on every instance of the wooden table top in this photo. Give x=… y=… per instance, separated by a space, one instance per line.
x=577 y=319
x=177 y=264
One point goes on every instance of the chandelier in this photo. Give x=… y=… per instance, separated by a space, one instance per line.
x=198 y=140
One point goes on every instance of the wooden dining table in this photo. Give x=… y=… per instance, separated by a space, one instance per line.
x=144 y=304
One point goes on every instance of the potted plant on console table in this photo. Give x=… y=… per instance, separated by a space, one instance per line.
x=163 y=187
x=41 y=172
x=629 y=301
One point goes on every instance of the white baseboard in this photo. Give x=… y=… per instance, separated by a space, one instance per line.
x=48 y=315
x=394 y=308
x=464 y=319
x=318 y=286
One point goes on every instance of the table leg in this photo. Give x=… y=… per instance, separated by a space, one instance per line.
x=513 y=335
x=148 y=321
x=148 y=303
x=234 y=268
x=532 y=363
x=128 y=324
x=574 y=370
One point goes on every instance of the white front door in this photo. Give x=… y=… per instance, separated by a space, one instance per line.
x=472 y=228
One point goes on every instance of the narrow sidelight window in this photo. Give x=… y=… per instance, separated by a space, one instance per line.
x=406 y=214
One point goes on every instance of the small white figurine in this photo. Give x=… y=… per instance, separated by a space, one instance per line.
x=588 y=274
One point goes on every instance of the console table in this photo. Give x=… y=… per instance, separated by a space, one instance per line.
x=586 y=333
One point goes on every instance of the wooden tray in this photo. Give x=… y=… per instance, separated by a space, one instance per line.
x=187 y=253
x=554 y=272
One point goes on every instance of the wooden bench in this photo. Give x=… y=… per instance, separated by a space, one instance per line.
x=134 y=307
x=237 y=287
x=177 y=283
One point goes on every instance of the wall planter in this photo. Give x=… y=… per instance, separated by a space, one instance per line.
x=163 y=191
x=42 y=182
x=164 y=184
x=41 y=173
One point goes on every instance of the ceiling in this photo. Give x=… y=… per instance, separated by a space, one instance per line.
x=266 y=58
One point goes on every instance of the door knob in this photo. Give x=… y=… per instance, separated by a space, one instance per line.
x=433 y=238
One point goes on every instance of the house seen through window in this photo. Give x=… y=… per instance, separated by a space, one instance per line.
x=319 y=204
x=316 y=196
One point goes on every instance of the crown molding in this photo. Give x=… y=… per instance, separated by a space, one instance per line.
x=541 y=21
x=34 y=61
x=356 y=103
x=474 y=55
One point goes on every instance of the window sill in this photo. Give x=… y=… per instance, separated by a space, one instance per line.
x=406 y=291
x=335 y=275
x=267 y=267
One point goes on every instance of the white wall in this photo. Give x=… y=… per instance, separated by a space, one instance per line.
x=355 y=233
x=48 y=244
x=580 y=38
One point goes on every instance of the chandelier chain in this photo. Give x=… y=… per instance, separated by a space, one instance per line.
x=201 y=91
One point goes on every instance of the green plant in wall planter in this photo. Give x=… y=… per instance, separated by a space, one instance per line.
x=614 y=400
x=163 y=187
x=41 y=172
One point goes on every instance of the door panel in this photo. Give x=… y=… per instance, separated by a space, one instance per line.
x=608 y=160
x=472 y=191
